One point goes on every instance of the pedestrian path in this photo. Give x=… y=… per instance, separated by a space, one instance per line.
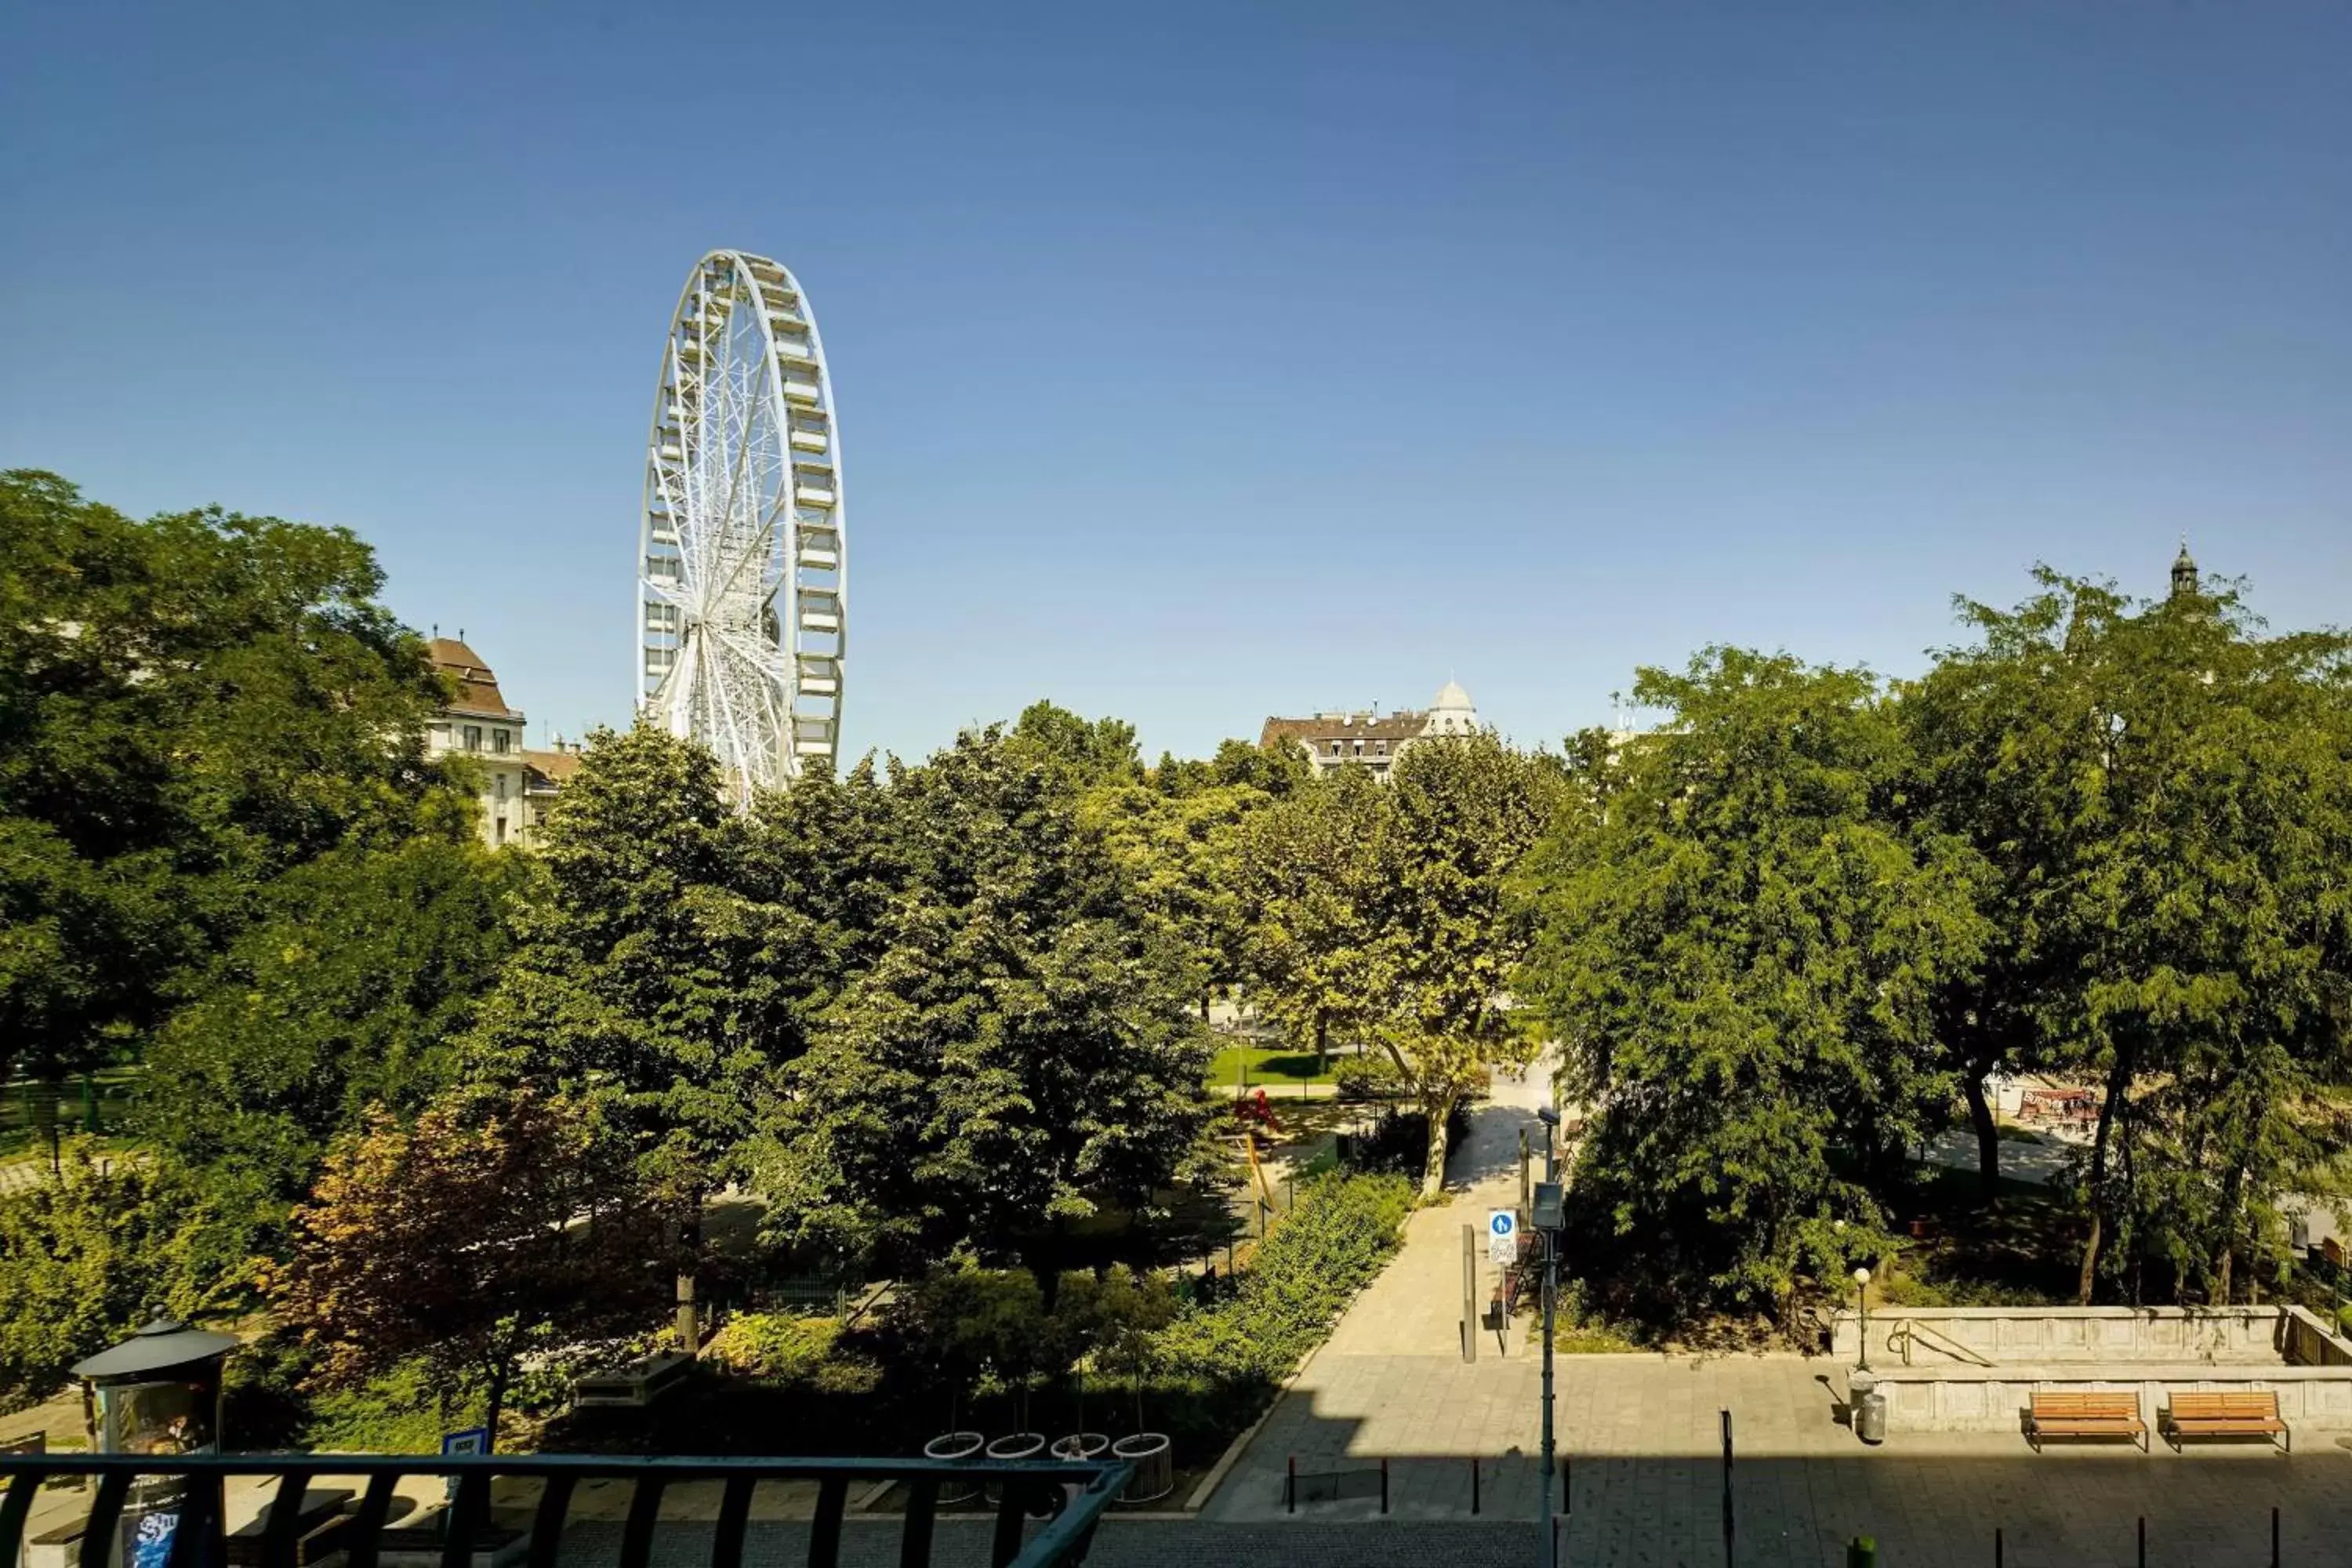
x=1641 y=1441
x=1392 y=1380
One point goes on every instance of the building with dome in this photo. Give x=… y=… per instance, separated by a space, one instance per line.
x=1368 y=738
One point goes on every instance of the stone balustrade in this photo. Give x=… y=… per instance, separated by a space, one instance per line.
x=2153 y=1352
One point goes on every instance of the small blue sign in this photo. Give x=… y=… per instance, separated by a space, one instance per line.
x=1502 y=1222
x=461 y=1445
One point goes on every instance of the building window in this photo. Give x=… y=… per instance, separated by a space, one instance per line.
x=1380 y=748
x=501 y=826
x=1360 y=748
x=473 y=737
x=499 y=741
x=503 y=786
x=1335 y=747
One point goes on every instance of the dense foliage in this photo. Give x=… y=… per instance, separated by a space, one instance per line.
x=189 y=707
x=1217 y=1364
x=1741 y=950
x=1787 y=931
x=2164 y=794
x=457 y=1105
x=87 y=1258
x=1019 y=1052
x=1383 y=912
x=486 y=1229
x=349 y=990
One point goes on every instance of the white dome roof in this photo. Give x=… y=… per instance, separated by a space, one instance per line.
x=1452 y=698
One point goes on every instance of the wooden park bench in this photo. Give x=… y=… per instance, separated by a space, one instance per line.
x=2084 y=1415
x=2250 y=1415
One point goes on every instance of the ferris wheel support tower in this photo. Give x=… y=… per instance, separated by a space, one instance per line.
x=742 y=575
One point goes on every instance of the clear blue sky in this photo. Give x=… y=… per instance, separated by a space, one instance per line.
x=1198 y=362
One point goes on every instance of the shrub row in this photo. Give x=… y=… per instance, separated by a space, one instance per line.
x=802 y=1385
x=1216 y=1366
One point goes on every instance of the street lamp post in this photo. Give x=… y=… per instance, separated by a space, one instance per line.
x=1549 y=1219
x=1862 y=1303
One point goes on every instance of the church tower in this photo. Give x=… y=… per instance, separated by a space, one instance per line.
x=2184 y=572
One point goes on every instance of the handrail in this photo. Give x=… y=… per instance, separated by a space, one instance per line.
x=1908 y=1328
x=1075 y=1491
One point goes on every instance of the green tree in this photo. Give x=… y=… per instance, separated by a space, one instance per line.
x=1021 y=1051
x=87 y=1258
x=2163 y=789
x=491 y=1226
x=1461 y=812
x=1084 y=752
x=646 y=983
x=1309 y=873
x=1741 y=950
x=350 y=989
x=1178 y=852
x=189 y=706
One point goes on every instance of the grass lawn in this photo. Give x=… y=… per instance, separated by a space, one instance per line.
x=24 y=1111
x=1272 y=1065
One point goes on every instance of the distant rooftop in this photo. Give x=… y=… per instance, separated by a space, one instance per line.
x=478 y=687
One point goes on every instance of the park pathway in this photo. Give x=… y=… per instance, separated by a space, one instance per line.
x=1390 y=1383
x=1644 y=1435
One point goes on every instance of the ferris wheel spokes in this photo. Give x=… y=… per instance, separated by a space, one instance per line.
x=741 y=587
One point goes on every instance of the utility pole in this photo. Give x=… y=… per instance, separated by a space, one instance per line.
x=1550 y=1219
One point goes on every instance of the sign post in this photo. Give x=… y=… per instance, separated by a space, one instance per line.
x=1502 y=1237
x=462 y=1443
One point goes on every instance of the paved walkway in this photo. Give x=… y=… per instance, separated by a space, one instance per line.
x=1118 y=1543
x=1392 y=1380
x=1642 y=1437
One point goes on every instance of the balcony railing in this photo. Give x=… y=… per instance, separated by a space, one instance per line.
x=1070 y=1494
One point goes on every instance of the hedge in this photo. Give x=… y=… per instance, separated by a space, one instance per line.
x=1215 y=1367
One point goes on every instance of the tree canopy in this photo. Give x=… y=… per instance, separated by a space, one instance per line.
x=189 y=706
x=1019 y=1050
x=1739 y=954
x=2164 y=792
x=484 y=1228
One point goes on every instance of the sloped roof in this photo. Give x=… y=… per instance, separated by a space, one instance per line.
x=477 y=688
x=1404 y=726
x=548 y=772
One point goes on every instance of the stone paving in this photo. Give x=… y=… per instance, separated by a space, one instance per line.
x=1118 y=1543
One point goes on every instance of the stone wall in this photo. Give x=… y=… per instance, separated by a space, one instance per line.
x=2105 y=1335
x=2153 y=1353
x=2309 y=1342
x=1978 y=1399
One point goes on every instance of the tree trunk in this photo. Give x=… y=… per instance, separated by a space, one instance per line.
x=690 y=1320
x=2118 y=1079
x=1972 y=1083
x=501 y=1374
x=1206 y=996
x=1322 y=1044
x=2233 y=1194
x=1440 y=1111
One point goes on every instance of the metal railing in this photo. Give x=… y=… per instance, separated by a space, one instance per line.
x=1072 y=1494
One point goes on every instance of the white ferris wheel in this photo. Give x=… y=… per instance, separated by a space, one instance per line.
x=741 y=574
